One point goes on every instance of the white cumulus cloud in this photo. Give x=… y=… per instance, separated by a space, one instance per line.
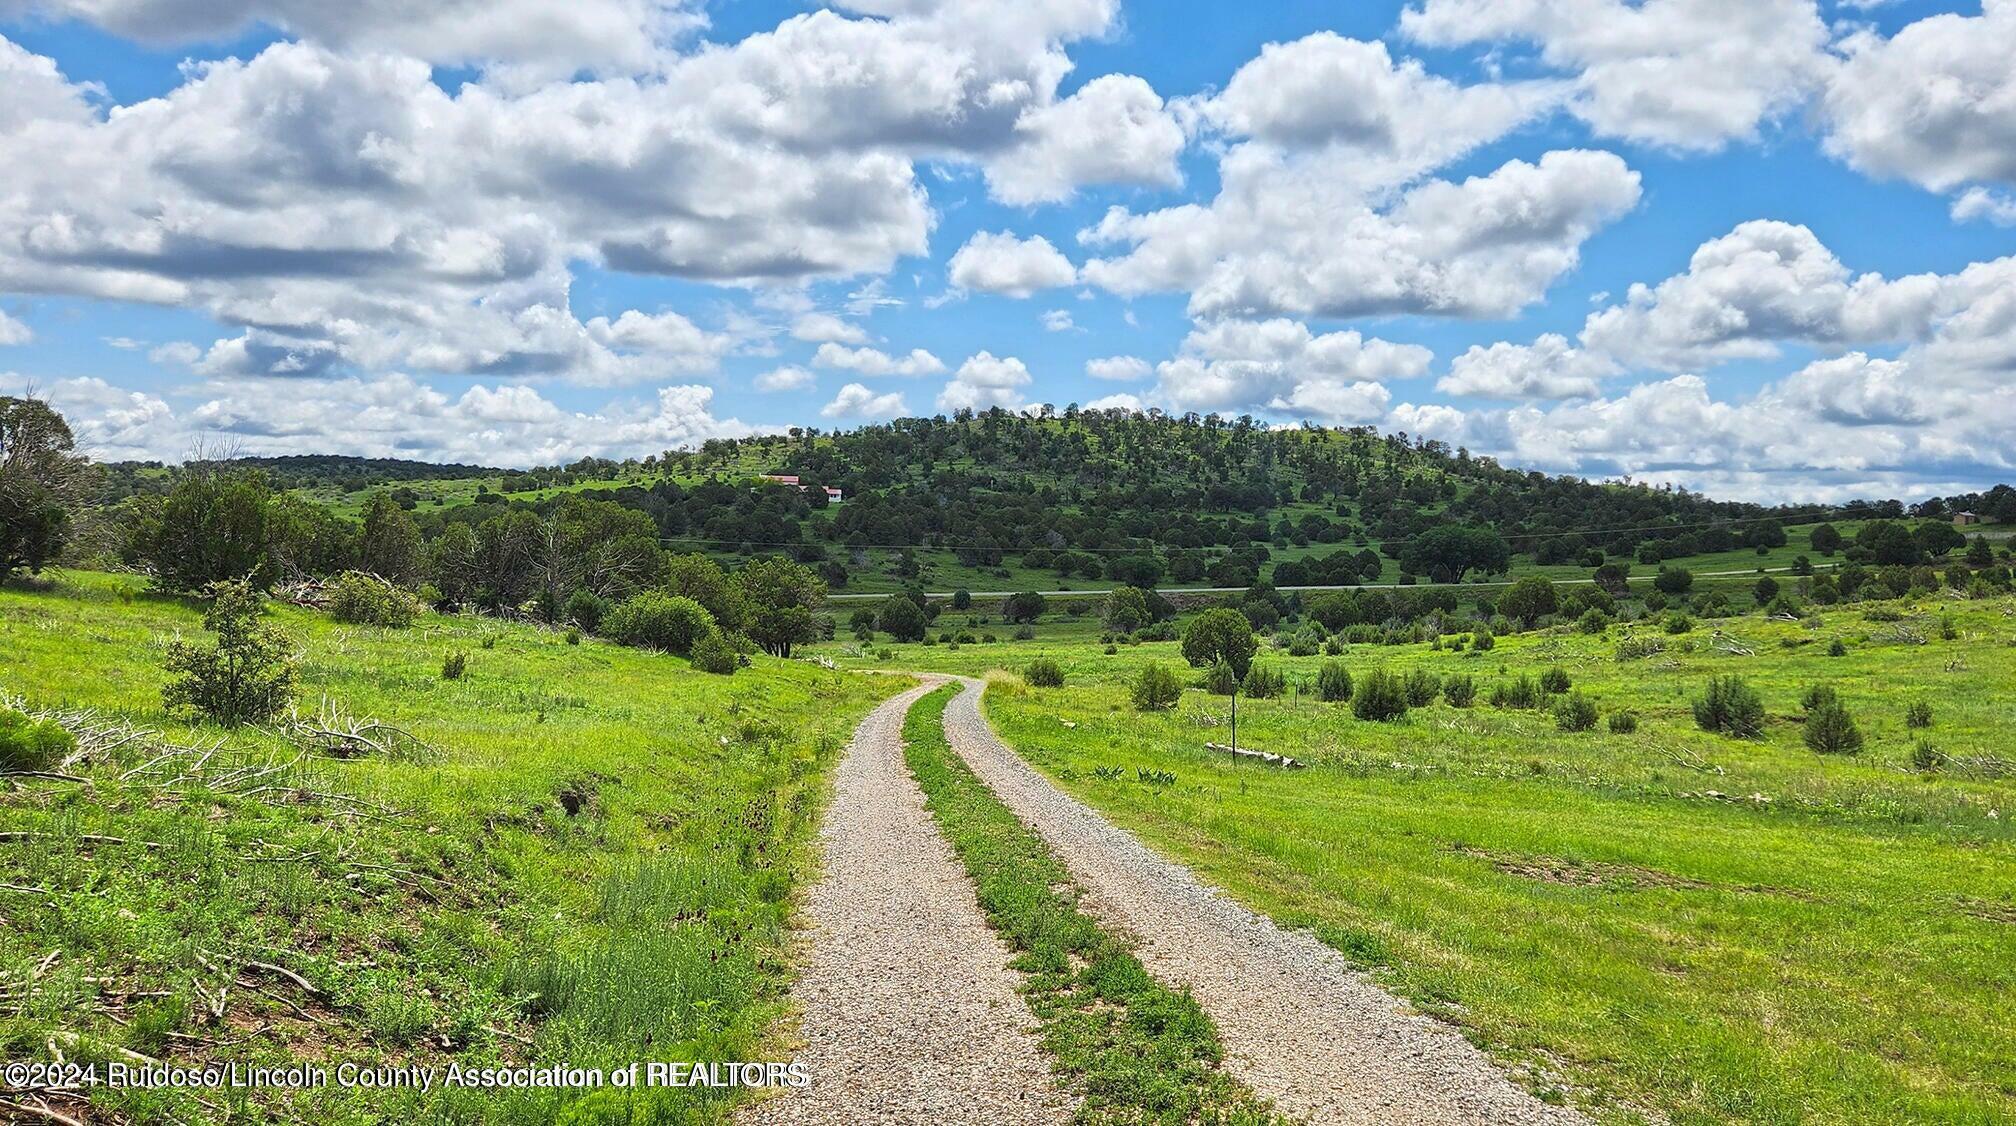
x=1114 y=130
x=1119 y=369
x=1281 y=367
x=1548 y=368
x=13 y=331
x=986 y=381
x=999 y=262
x=787 y=378
x=874 y=361
x=1686 y=74
x=856 y=401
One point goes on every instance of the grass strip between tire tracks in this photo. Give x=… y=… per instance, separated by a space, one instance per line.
x=1135 y=1050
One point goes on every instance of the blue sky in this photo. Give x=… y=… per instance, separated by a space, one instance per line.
x=504 y=233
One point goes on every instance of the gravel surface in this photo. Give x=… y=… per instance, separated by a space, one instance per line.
x=1299 y=1025
x=909 y=1012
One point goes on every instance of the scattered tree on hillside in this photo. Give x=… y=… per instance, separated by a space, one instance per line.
x=1446 y=553
x=1218 y=635
x=1529 y=600
x=1888 y=543
x=901 y=618
x=706 y=582
x=1614 y=579
x=39 y=476
x=1765 y=534
x=216 y=525
x=782 y=600
x=390 y=546
x=247 y=676
x=1937 y=537
x=1026 y=606
x=1127 y=610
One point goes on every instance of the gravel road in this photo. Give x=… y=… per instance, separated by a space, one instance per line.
x=1299 y=1025
x=909 y=1012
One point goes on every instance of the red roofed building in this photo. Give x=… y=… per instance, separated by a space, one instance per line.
x=833 y=495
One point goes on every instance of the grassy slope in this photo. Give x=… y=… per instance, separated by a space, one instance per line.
x=1841 y=948
x=1135 y=1050
x=648 y=922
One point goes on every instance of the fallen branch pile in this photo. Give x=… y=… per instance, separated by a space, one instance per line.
x=1267 y=757
x=329 y=732
x=1724 y=643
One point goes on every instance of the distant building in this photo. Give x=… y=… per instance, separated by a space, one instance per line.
x=1963 y=519
x=833 y=495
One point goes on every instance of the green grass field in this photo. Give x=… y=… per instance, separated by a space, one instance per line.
x=1668 y=923
x=589 y=861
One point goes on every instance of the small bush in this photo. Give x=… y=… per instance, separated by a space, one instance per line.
x=1925 y=756
x=1837 y=648
x=1521 y=693
x=1044 y=673
x=247 y=676
x=1111 y=649
x=1333 y=682
x=1816 y=696
x=1730 y=707
x=1593 y=621
x=1156 y=688
x=1307 y=642
x=1678 y=623
x=1918 y=716
x=1948 y=631
x=1555 y=681
x=1575 y=713
x=363 y=599
x=573 y=637
x=454 y=665
x=1638 y=648
x=656 y=620
x=586 y=609
x=1483 y=641
x=1025 y=633
x=1460 y=691
x=1221 y=680
x=1830 y=730
x=1422 y=687
x=1623 y=723
x=1263 y=683
x=32 y=744
x=713 y=654
x=1380 y=697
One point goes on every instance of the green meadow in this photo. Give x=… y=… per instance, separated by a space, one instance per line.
x=1664 y=923
x=573 y=853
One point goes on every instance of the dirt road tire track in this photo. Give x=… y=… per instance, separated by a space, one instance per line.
x=1299 y=1025
x=907 y=1008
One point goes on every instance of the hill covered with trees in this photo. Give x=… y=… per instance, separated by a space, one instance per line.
x=1005 y=501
